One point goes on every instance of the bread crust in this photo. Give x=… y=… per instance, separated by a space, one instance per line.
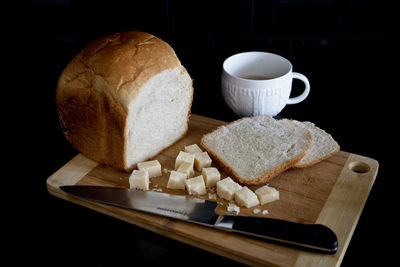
x=96 y=88
x=257 y=180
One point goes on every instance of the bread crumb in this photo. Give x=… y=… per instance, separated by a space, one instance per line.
x=212 y=196
x=165 y=170
x=233 y=207
x=264 y=212
x=212 y=189
x=256 y=211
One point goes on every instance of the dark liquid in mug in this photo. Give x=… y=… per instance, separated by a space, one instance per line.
x=256 y=77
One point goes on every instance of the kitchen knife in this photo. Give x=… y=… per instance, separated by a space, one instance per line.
x=312 y=236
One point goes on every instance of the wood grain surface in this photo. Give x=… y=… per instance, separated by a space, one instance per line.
x=332 y=192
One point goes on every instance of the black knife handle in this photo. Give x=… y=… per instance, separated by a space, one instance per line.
x=311 y=236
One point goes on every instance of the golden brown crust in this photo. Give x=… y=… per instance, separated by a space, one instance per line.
x=97 y=86
x=118 y=65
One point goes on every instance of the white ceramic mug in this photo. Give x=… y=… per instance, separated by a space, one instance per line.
x=255 y=83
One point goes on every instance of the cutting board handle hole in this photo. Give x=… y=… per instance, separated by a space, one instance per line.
x=359 y=167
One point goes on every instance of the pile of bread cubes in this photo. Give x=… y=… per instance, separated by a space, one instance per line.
x=193 y=158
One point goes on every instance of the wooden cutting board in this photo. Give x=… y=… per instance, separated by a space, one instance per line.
x=332 y=192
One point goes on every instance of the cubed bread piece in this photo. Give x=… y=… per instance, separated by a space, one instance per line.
x=193 y=149
x=246 y=198
x=176 y=180
x=186 y=168
x=211 y=176
x=226 y=188
x=267 y=194
x=152 y=166
x=201 y=160
x=139 y=180
x=196 y=186
x=184 y=157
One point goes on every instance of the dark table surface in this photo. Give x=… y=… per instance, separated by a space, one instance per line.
x=347 y=49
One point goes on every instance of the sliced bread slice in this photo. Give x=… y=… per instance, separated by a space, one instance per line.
x=322 y=146
x=253 y=150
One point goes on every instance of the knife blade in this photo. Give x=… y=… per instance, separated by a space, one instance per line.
x=316 y=237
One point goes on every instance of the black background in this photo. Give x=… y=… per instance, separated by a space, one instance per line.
x=347 y=49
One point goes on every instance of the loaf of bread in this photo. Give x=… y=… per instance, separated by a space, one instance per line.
x=124 y=98
x=322 y=146
x=252 y=150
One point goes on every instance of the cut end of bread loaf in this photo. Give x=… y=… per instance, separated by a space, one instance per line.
x=254 y=150
x=322 y=147
x=158 y=117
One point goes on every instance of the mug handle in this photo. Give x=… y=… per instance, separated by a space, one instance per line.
x=297 y=99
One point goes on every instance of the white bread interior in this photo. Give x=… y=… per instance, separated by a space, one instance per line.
x=158 y=115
